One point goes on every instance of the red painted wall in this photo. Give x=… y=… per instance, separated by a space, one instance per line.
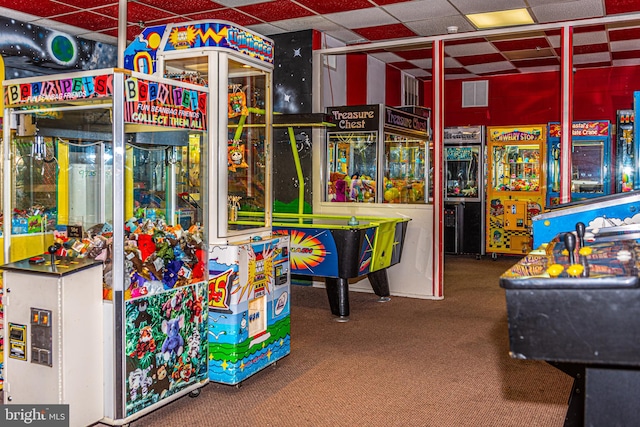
x=356 y=79
x=535 y=98
x=393 y=90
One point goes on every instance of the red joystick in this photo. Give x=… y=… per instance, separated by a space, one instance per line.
x=570 y=244
x=580 y=232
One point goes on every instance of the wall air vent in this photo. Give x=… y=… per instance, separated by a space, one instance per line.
x=475 y=94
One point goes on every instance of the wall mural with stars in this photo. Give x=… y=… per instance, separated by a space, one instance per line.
x=292 y=94
x=29 y=50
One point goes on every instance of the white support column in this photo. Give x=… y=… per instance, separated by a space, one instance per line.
x=566 y=109
x=438 y=200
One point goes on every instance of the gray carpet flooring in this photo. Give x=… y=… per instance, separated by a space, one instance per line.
x=407 y=362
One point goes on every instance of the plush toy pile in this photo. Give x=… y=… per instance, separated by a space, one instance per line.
x=157 y=256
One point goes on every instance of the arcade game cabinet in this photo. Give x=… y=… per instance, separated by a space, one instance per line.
x=248 y=305
x=590 y=161
x=515 y=186
x=464 y=154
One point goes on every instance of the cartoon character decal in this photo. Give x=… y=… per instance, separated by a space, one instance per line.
x=164 y=346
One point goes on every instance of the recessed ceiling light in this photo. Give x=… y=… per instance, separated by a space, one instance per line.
x=502 y=18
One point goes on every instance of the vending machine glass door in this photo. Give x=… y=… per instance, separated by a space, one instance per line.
x=587 y=167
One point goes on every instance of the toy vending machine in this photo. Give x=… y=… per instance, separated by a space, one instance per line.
x=625 y=152
x=515 y=187
x=464 y=197
x=249 y=323
x=590 y=160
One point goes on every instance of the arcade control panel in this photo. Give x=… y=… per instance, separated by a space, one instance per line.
x=590 y=255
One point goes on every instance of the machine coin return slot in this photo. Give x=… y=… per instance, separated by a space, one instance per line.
x=41 y=343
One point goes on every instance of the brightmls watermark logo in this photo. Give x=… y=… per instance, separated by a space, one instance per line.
x=34 y=415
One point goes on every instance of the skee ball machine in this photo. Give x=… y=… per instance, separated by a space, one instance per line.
x=515 y=187
x=248 y=304
x=116 y=139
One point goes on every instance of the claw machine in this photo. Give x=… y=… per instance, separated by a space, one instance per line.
x=464 y=152
x=515 y=186
x=590 y=161
x=115 y=142
x=626 y=152
x=248 y=324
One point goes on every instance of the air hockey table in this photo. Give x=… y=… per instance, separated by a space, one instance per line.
x=339 y=248
x=575 y=303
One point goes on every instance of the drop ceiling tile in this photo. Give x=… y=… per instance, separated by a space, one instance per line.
x=91 y=21
x=415 y=53
x=356 y=18
x=522 y=44
x=492 y=67
x=542 y=69
x=538 y=62
x=514 y=55
x=592 y=57
x=425 y=63
x=591 y=48
x=316 y=22
x=266 y=29
x=590 y=38
x=451 y=63
x=602 y=64
x=461 y=76
x=631 y=62
x=456 y=70
x=136 y=12
x=385 y=32
x=481 y=59
x=402 y=65
x=238 y=3
x=417 y=72
x=345 y=35
x=625 y=34
x=182 y=7
x=569 y=11
x=477 y=6
x=387 y=57
x=276 y=10
x=431 y=27
x=622 y=45
x=588 y=29
x=470 y=49
x=492 y=73
x=627 y=54
x=334 y=6
x=43 y=8
x=421 y=9
x=230 y=15
x=470 y=40
x=621 y=6
x=385 y=2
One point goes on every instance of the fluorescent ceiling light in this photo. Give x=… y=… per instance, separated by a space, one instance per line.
x=502 y=18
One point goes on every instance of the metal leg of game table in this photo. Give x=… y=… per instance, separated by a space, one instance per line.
x=338 y=293
x=380 y=284
x=575 y=410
